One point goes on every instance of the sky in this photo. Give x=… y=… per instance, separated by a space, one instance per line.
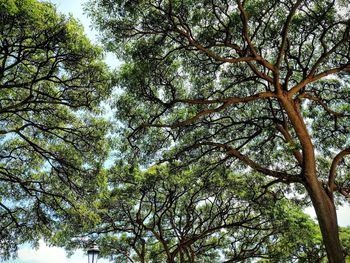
x=47 y=254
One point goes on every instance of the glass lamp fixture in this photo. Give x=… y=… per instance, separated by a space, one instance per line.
x=93 y=252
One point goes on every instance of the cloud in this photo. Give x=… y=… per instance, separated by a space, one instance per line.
x=46 y=254
x=343 y=214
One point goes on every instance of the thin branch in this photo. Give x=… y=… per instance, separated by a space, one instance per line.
x=333 y=170
x=285 y=33
x=314 y=78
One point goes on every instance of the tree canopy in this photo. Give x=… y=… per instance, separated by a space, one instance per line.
x=52 y=137
x=255 y=85
x=167 y=215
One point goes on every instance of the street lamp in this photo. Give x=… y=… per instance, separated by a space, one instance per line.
x=93 y=253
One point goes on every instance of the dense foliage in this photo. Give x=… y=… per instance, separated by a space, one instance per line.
x=167 y=215
x=52 y=80
x=345 y=238
x=255 y=85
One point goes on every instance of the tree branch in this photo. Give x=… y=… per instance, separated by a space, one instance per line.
x=254 y=165
x=333 y=170
x=226 y=102
x=285 y=33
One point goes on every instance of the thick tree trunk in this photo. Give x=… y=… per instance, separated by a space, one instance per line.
x=327 y=219
x=322 y=202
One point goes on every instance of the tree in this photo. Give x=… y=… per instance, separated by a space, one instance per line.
x=169 y=215
x=52 y=80
x=259 y=85
x=345 y=238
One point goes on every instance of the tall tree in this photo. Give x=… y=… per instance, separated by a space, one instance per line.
x=52 y=80
x=261 y=85
x=168 y=215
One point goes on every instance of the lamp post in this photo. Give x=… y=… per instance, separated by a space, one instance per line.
x=93 y=253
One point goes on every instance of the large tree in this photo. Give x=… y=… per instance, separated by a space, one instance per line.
x=52 y=80
x=259 y=85
x=171 y=215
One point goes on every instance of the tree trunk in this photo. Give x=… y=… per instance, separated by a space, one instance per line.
x=321 y=200
x=327 y=219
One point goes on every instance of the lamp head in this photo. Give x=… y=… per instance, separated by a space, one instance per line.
x=93 y=252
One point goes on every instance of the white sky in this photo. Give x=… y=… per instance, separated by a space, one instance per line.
x=47 y=254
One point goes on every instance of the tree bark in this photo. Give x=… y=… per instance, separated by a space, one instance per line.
x=327 y=219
